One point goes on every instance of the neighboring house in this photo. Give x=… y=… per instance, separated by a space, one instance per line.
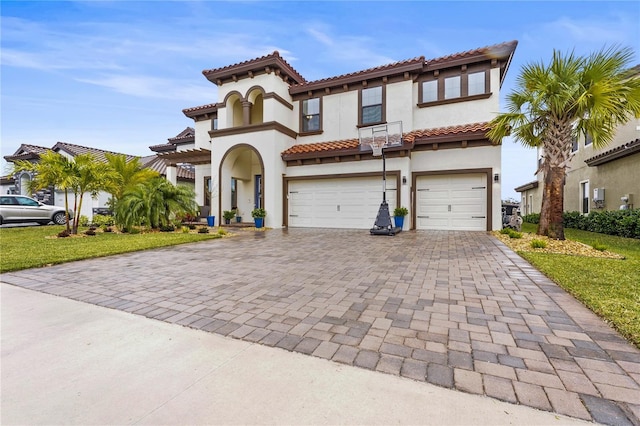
x=50 y=196
x=597 y=179
x=277 y=141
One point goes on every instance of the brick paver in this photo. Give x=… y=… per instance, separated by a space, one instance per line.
x=456 y=309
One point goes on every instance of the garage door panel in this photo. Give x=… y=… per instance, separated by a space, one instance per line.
x=337 y=203
x=456 y=202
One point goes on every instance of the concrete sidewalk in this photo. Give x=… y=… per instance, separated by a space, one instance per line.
x=66 y=362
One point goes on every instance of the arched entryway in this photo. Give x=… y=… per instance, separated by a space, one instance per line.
x=241 y=177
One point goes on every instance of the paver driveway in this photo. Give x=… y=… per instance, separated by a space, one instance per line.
x=456 y=309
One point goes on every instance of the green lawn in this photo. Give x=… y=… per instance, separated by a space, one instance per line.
x=609 y=287
x=31 y=247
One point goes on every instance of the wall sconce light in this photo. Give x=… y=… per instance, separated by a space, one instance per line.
x=496 y=177
x=404 y=180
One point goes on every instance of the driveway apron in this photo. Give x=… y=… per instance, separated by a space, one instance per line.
x=455 y=309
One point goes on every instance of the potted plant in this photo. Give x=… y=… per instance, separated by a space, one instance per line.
x=238 y=216
x=228 y=215
x=398 y=216
x=258 y=215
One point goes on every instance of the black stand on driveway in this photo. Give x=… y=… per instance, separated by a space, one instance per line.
x=383 y=220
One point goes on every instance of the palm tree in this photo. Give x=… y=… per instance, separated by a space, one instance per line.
x=128 y=174
x=553 y=104
x=92 y=177
x=154 y=203
x=52 y=170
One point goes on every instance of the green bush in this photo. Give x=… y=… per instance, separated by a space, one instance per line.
x=83 y=221
x=597 y=245
x=622 y=223
x=531 y=218
x=101 y=220
x=203 y=230
x=511 y=233
x=538 y=244
x=167 y=228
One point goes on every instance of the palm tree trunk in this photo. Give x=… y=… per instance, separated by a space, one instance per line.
x=551 y=222
x=66 y=209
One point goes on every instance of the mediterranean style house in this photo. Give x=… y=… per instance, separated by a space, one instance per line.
x=19 y=183
x=597 y=179
x=277 y=141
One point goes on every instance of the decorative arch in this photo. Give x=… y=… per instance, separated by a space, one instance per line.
x=233 y=104
x=243 y=163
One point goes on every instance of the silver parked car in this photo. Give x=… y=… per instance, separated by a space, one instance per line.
x=18 y=209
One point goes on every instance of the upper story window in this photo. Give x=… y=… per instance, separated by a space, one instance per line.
x=371 y=105
x=452 y=87
x=476 y=83
x=214 y=124
x=311 y=115
x=588 y=140
x=430 y=91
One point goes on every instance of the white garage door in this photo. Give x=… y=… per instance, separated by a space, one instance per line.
x=338 y=203
x=453 y=202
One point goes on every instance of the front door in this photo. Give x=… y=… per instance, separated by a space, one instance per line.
x=257 y=195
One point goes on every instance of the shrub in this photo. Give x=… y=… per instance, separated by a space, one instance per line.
x=185 y=229
x=100 y=220
x=532 y=218
x=400 y=211
x=221 y=231
x=538 y=244
x=599 y=246
x=511 y=233
x=191 y=226
x=622 y=223
x=106 y=228
x=63 y=234
x=258 y=212
x=203 y=230
x=90 y=232
x=83 y=221
x=167 y=228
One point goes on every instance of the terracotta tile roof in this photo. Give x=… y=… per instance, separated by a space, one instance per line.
x=158 y=164
x=98 y=154
x=401 y=66
x=26 y=152
x=501 y=50
x=202 y=109
x=272 y=60
x=615 y=153
x=163 y=147
x=408 y=138
x=418 y=135
x=186 y=136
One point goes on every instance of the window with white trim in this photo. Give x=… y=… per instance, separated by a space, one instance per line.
x=430 y=91
x=476 y=83
x=452 y=87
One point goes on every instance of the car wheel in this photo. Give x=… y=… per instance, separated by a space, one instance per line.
x=60 y=218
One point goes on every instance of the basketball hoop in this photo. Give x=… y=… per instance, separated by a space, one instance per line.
x=377 y=138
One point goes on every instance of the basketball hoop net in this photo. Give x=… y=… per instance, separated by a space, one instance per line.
x=376 y=147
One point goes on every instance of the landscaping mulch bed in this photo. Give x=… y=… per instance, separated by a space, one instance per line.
x=568 y=247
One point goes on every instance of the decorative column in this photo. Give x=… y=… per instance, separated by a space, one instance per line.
x=246 y=113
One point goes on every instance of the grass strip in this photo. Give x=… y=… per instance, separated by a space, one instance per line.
x=36 y=246
x=609 y=287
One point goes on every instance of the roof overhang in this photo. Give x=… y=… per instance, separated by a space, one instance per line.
x=191 y=156
x=527 y=186
x=614 y=154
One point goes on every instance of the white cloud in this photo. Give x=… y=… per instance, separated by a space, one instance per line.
x=154 y=87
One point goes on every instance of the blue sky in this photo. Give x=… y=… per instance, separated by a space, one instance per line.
x=116 y=74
